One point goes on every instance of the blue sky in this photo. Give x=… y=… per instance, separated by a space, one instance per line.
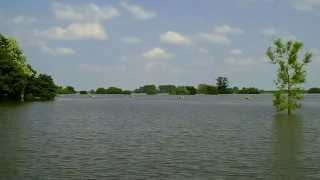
x=128 y=43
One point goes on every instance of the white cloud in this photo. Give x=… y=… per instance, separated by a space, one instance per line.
x=274 y=33
x=24 y=20
x=215 y=38
x=306 y=5
x=157 y=53
x=221 y=34
x=236 y=52
x=76 y=31
x=138 y=12
x=176 y=38
x=131 y=40
x=226 y=29
x=87 y=12
x=239 y=61
x=62 y=51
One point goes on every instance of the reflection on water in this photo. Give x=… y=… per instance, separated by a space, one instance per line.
x=287 y=146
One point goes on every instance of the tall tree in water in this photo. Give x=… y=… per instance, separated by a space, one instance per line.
x=291 y=73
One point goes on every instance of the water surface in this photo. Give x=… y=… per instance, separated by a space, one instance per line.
x=159 y=137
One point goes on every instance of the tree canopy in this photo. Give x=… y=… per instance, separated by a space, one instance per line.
x=223 y=86
x=67 y=90
x=17 y=78
x=314 y=90
x=291 y=73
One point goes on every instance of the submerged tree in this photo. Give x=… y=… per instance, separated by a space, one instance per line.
x=290 y=75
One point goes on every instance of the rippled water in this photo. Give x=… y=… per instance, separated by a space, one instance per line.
x=159 y=137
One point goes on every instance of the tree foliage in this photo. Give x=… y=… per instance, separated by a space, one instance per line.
x=250 y=90
x=192 y=90
x=114 y=90
x=223 y=86
x=314 y=90
x=291 y=73
x=17 y=78
x=83 y=92
x=181 y=90
x=150 y=89
x=207 y=89
x=66 y=90
x=169 y=89
x=41 y=87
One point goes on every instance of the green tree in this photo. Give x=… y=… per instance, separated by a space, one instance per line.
x=250 y=90
x=169 y=89
x=128 y=92
x=66 y=90
x=14 y=71
x=150 y=89
x=235 y=90
x=212 y=90
x=192 y=90
x=41 y=87
x=223 y=85
x=291 y=73
x=101 y=90
x=114 y=90
x=181 y=90
x=83 y=92
x=139 y=90
x=314 y=90
x=207 y=89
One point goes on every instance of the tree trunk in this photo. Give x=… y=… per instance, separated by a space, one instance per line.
x=22 y=94
x=289 y=94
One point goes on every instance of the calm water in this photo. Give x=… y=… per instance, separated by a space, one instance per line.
x=159 y=137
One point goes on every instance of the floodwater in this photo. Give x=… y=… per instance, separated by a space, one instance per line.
x=159 y=137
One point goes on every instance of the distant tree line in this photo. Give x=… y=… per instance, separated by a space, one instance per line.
x=222 y=86
x=314 y=90
x=66 y=90
x=18 y=80
x=100 y=90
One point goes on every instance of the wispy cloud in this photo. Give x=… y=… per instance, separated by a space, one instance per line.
x=60 y=51
x=24 y=20
x=138 y=12
x=221 y=34
x=232 y=60
x=88 y=12
x=75 y=31
x=176 y=38
x=157 y=54
x=273 y=33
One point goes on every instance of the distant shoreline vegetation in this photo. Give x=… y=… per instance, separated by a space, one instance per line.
x=204 y=89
